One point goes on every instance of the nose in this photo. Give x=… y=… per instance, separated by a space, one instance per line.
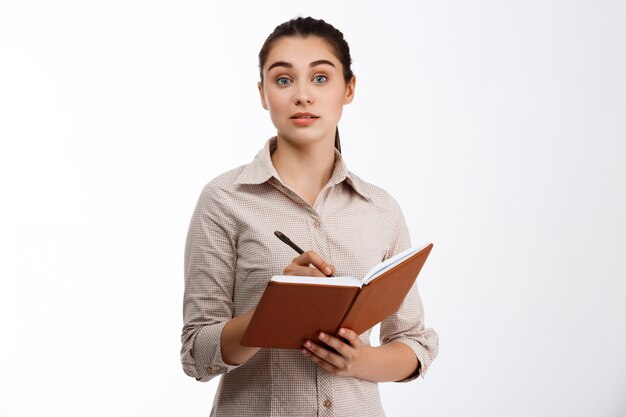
x=303 y=95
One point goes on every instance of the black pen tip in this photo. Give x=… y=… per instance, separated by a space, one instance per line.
x=278 y=234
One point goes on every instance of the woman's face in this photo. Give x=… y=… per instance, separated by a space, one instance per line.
x=304 y=90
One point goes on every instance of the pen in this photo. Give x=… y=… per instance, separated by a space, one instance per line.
x=295 y=247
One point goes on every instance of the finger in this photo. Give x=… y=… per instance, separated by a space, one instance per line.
x=320 y=362
x=324 y=354
x=317 y=261
x=305 y=260
x=351 y=337
x=303 y=271
x=346 y=351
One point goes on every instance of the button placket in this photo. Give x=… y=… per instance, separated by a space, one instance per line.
x=320 y=242
x=325 y=393
x=319 y=236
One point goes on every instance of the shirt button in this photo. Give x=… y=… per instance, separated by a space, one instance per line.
x=316 y=224
x=327 y=403
x=209 y=370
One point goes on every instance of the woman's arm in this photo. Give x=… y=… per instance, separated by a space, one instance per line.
x=232 y=352
x=391 y=362
x=210 y=268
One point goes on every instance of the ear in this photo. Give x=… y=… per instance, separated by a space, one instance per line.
x=262 y=94
x=350 y=90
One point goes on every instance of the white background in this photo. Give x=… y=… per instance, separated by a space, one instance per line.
x=499 y=126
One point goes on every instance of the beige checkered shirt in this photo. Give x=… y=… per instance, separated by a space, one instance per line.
x=230 y=255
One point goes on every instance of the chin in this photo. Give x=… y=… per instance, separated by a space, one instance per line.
x=302 y=138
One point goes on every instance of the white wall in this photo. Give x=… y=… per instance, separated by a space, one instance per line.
x=499 y=126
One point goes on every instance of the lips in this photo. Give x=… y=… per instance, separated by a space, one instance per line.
x=301 y=115
x=304 y=119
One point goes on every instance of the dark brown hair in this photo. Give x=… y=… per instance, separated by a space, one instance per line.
x=308 y=26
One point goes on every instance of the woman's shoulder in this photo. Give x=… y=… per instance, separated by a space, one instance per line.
x=222 y=185
x=226 y=179
x=376 y=193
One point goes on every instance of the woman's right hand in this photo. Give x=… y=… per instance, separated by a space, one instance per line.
x=302 y=266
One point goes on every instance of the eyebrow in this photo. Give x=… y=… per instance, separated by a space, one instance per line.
x=311 y=65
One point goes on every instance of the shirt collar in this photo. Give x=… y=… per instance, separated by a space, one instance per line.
x=261 y=169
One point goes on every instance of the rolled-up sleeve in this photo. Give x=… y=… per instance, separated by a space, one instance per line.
x=210 y=258
x=407 y=324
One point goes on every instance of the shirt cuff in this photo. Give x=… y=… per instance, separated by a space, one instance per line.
x=208 y=353
x=423 y=356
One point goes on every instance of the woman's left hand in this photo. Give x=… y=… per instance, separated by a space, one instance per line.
x=350 y=359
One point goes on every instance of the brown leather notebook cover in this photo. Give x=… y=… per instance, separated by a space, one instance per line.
x=289 y=313
x=384 y=295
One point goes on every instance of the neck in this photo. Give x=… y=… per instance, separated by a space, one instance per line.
x=304 y=169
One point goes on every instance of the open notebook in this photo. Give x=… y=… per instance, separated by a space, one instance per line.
x=294 y=308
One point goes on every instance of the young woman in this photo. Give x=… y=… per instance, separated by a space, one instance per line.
x=297 y=184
